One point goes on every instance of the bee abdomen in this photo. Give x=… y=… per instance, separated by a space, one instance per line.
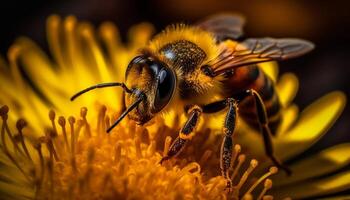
x=252 y=77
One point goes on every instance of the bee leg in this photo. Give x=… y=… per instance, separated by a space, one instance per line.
x=227 y=142
x=185 y=134
x=264 y=127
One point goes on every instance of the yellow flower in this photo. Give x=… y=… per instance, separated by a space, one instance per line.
x=56 y=157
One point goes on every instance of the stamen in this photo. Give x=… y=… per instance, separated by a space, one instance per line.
x=37 y=146
x=51 y=177
x=138 y=147
x=247 y=197
x=151 y=148
x=252 y=166
x=205 y=157
x=3 y=112
x=273 y=170
x=83 y=114
x=49 y=144
x=267 y=197
x=21 y=123
x=80 y=124
x=107 y=122
x=117 y=152
x=241 y=159
x=4 y=115
x=89 y=168
x=62 y=123
x=101 y=120
x=167 y=144
x=236 y=151
x=71 y=121
x=52 y=116
x=267 y=186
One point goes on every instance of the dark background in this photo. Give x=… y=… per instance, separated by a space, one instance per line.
x=326 y=23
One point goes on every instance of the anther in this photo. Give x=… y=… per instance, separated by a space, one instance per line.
x=267 y=186
x=52 y=115
x=83 y=112
x=4 y=110
x=21 y=123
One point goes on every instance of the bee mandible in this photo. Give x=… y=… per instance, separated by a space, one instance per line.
x=204 y=69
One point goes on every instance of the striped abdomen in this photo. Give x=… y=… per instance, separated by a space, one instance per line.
x=252 y=77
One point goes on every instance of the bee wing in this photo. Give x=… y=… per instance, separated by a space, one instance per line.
x=256 y=50
x=223 y=26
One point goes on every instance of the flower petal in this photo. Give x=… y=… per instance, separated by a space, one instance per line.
x=271 y=69
x=290 y=115
x=10 y=191
x=341 y=197
x=314 y=122
x=287 y=88
x=319 y=187
x=323 y=163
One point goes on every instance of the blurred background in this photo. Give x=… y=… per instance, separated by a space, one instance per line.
x=323 y=22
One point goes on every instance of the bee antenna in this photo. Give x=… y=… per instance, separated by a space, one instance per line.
x=101 y=85
x=129 y=109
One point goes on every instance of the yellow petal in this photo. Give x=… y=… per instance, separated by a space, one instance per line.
x=341 y=197
x=323 y=163
x=10 y=191
x=140 y=34
x=287 y=88
x=318 y=187
x=313 y=123
x=290 y=115
x=271 y=69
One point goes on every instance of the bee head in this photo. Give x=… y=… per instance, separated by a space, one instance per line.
x=153 y=81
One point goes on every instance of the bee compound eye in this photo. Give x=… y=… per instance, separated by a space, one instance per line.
x=165 y=88
x=135 y=64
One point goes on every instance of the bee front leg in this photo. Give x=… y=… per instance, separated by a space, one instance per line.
x=186 y=133
x=227 y=142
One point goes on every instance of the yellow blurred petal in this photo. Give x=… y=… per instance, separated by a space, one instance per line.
x=318 y=187
x=290 y=115
x=271 y=69
x=341 y=197
x=53 y=26
x=313 y=123
x=323 y=163
x=140 y=34
x=287 y=88
x=10 y=191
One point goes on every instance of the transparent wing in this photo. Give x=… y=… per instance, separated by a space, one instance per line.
x=256 y=50
x=223 y=26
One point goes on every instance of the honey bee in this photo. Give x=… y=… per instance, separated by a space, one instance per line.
x=184 y=67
